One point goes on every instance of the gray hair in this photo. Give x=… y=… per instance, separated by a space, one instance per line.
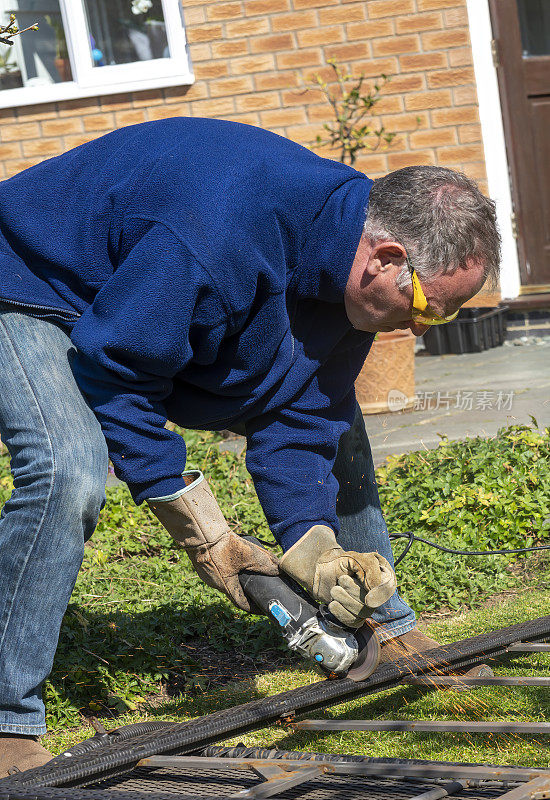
x=439 y=216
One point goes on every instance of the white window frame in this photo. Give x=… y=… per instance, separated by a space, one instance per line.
x=91 y=81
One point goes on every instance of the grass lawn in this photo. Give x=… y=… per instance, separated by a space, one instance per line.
x=143 y=638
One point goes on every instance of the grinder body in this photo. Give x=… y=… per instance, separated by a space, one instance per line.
x=311 y=630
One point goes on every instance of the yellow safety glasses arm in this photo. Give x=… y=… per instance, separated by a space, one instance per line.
x=421 y=312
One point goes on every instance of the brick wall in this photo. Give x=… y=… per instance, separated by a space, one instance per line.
x=252 y=58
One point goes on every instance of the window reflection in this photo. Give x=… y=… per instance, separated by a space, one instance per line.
x=125 y=31
x=534 y=20
x=37 y=58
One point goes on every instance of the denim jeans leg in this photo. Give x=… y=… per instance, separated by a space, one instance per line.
x=59 y=466
x=362 y=525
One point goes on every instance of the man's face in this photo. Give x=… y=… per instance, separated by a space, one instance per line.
x=375 y=303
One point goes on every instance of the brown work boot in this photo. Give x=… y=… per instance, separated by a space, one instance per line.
x=414 y=642
x=18 y=753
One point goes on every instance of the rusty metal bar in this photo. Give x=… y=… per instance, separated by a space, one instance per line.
x=442 y=770
x=419 y=725
x=460 y=680
x=277 y=780
x=537 y=789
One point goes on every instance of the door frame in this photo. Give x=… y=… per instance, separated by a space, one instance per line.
x=494 y=143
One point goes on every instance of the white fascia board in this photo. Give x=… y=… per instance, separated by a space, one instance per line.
x=490 y=113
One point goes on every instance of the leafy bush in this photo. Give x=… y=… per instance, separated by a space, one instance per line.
x=138 y=607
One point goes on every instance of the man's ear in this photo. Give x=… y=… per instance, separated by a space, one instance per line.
x=385 y=255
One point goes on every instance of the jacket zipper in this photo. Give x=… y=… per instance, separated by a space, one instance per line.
x=49 y=310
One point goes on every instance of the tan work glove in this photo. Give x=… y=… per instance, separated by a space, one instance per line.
x=351 y=584
x=196 y=521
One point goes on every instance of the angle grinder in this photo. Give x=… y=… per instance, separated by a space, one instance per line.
x=312 y=631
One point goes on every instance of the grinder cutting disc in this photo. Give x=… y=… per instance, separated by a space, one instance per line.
x=369 y=654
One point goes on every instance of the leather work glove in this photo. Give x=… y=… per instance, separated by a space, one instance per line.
x=351 y=584
x=218 y=555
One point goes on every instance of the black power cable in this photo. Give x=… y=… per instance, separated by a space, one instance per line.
x=412 y=537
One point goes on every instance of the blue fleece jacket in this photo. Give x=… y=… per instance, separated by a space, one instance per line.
x=200 y=267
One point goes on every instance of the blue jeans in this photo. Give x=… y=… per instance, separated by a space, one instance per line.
x=59 y=463
x=362 y=525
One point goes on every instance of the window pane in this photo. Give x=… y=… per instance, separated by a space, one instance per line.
x=534 y=20
x=37 y=58
x=125 y=31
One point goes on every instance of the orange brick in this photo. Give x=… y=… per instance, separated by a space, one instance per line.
x=457 y=155
x=320 y=36
x=228 y=49
x=277 y=80
x=425 y=100
x=431 y=5
x=166 y=112
x=302 y=97
x=299 y=58
x=246 y=119
x=116 y=102
x=456 y=17
x=468 y=134
x=267 y=44
x=465 y=96
x=396 y=45
x=404 y=83
x=8 y=115
x=282 y=117
x=442 y=136
x=343 y=52
x=194 y=15
x=454 y=116
x=195 y=91
x=14 y=167
x=298 y=4
x=219 y=11
x=265 y=6
x=98 y=122
x=422 y=61
x=148 y=97
x=201 y=52
x=476 y=170
x=212 y=69
x=257 y=101
x=294 y=21
x=213 y=108
x=231 y=86
x=390 y=8
x=375 y=67
x=21 y=130
x=203 y=33
x=460 y=57
x=416 y=159
x=131 y=117
x=42 y=147
x=76 y=141
x=62 y=127
x=370 y=29
x=304 y=134
x=370 y=163
x=419 y=22
x=320 y=113
x=247 y=27
x=404 y=122
x=451 y=77
x=88 y=105
x=37 y=112
x=252 y=64
x=347 y=13
x=12 y=150
x=389 y=105
x=444 y=39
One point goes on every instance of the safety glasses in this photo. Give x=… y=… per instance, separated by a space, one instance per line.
x=422 y=314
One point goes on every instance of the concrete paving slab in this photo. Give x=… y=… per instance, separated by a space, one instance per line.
x=468 y=395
